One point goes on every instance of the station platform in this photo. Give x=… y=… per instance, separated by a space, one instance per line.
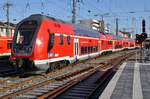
x=131 y=81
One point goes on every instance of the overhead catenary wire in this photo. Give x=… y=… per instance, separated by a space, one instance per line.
x=64 y=8
x=85 y=9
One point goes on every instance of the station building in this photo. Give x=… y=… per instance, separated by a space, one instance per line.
x=93 y=24
x=3 y=29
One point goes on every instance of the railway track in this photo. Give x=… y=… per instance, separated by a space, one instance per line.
x=86 y=87
x=48 y=85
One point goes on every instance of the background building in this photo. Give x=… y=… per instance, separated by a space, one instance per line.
x=93 y=24
x=3 y=27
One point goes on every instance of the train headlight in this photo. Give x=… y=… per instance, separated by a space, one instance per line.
x=39 y=42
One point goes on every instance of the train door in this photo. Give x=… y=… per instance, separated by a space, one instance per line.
x=76 y=48
x=99 y=45
x=113 y=46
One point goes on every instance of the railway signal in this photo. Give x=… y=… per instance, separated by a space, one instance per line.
x=140 y=38
x=144 y=36
x=143 y=26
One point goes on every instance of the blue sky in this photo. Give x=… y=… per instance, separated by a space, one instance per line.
x=129 y=12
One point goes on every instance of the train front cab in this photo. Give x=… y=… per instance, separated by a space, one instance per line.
x=41 y=42
x=61 y=37
x=24 y=41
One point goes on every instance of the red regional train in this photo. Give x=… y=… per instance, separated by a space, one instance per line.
x=5 y=46
x=45 y=43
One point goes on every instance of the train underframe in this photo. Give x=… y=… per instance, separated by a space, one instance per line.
x=30 y=65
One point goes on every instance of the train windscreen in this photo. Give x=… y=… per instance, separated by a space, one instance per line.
x=25 y=32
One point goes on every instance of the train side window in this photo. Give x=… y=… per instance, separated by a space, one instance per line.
x=86 y=50
x=51 y=41
x=82 y=50
x=92 y=49
x=61 y=39
x=96 y=48
x=52 y=38
x=68 y=39
x=110 y=42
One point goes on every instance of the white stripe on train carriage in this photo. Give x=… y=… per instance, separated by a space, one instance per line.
x=53 y=60
x=5 y=54
x=118 y=49
x=131 y=47
x=101 y=51
x=5 y=39
x=64 y=58
x=88 y=55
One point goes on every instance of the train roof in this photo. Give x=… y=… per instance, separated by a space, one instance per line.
x=115 y=37
x=78 y=29
x=40 y=17
x=83 y=31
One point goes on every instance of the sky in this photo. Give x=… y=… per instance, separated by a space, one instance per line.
x=129 y=12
